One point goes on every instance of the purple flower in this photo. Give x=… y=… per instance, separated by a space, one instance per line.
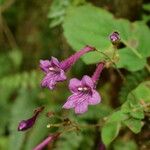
x=115 y=38
x=55 y=70
x=26 y=124
x=84 y=92
x=48 y=140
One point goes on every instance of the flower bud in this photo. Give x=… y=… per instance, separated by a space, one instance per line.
x=115 y=38
x=26 y=124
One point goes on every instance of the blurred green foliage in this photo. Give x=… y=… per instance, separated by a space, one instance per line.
x=96 y=31
x=34 y=30
x=58 y=10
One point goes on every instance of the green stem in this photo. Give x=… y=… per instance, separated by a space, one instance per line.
x=121 y=75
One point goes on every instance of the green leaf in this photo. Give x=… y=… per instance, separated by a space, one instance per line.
x=92 y=25
x=145 y=18
x=111 y=128
x=86 y=23
x=142 y=92
x=133 y=104
x=146 y=7
x=117 y=117
x=134 y=125
x=133 y=107
x=110 y=132
x=128 y=60
x=137 y=113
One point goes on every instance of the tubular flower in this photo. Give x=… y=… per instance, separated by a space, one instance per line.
x=84 y=92
x=55 y=70
x=46 y=141
x=26 y=124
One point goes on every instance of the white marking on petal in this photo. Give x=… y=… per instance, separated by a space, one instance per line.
x=80 y=89
x=51 y=68
x=85 y=88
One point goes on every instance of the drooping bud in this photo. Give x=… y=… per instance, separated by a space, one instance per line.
x=26 y=124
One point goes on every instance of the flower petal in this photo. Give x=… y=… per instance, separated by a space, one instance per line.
x=55 y=61
x=95 y=99
x=87 y=81
x=44 y=65
x=49 y=81
x=81 y=108
x=62 y=76
x=74 y=84
x=70 y=102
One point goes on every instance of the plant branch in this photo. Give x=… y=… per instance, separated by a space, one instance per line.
x=119 y=72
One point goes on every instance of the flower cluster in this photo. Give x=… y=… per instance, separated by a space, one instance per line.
x=83 y=91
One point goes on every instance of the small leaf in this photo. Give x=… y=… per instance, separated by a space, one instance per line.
x=134 y=125
x=129 y=60
x=146 y=7
x=142 y=92
x=117 y=117
x=137 y=113
x=133 y=104
x=110 y=132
